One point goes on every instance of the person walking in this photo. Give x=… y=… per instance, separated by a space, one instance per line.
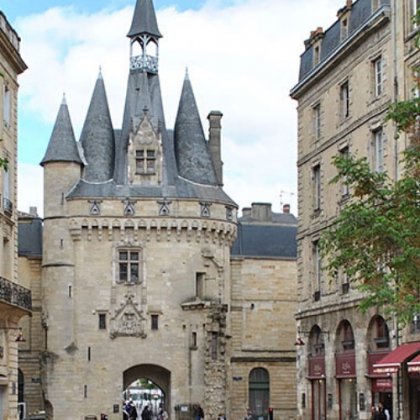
x=146 y=414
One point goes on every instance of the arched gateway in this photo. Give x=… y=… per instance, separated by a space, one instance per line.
x=158 y=376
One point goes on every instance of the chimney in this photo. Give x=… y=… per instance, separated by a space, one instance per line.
x=261 y=212
x=215 y=129
x=246 y=212
x=286 y=208
x=33 y=211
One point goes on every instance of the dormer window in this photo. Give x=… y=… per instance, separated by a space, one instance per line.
x=146 y=162
x=344 y=29
x=317 y=54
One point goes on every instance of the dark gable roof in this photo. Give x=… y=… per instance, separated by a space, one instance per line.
x=30 y=236
x=270 y=241
x=144 y=20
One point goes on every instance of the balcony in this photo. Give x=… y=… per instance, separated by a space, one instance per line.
x=144 y=63
x=7 y=206
x=13 y=294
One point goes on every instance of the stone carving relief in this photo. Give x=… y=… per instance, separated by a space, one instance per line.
x=128 y=319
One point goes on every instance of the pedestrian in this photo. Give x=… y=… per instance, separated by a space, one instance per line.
x=145 y=414
x=163 y=414
x=248 y=415
x=198 y=412
x=221 y=417
x=125 y=412
x=133 y=411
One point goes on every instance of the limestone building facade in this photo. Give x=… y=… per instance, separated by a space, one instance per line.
x=349 y=75
x=15 y=300
x=139 y=278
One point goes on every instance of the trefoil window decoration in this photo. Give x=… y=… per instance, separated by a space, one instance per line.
x=95 y=208
x=229 y=213
x=129 y=209
x=205 y=209
x=129 y=266
x=164 y=209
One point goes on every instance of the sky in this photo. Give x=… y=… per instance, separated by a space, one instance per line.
x=242 y=58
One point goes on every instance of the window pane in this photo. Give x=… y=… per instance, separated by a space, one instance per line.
x=134 y=273
x=124 y=256
x=139 y=153
x=134 y=256
x=150 y=153
x=123 y=271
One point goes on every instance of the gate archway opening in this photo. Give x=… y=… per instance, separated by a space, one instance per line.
x=148 y=385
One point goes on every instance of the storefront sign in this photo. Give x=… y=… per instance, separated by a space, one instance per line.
x=382 y=385
x=345 y=365
x=316 y=367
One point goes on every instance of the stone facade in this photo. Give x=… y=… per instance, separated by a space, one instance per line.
x=15 y=301
x=138 y=280
x=349 y=76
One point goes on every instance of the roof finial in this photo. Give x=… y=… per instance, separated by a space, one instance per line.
x=64 y=101
x=187 y=76
x=100 y=73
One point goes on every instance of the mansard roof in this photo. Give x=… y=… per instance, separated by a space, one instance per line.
x=62 y=146
x=191 y=147
x=360 y=14
x=144 y=20
x=97 y=138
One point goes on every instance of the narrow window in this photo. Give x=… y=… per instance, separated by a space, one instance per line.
x=344 y=29
x=317 y=55
x=316 y=175
x=88 y=354
x=154 y=322
x=102 y=321
x=70 y=291
x=145 y=161
x=378 y=76
x=6 y=105
x=129 y=266
x=345 y=100
x=317 y=267
x=344 y=153
x=85 y=391
x=199 y=285
x=317 y=121
x=214 y=346
x=194 y=340
x=378 y=150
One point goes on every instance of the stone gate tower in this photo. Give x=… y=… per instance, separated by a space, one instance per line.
x=137 y=237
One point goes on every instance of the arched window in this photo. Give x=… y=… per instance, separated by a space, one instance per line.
x=346 y=337
x=259 y=391
x=378 y=334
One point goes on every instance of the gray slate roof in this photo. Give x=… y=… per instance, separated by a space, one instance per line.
x=30 y=236
x=361 y=11
x=144 y=20
x=191 y=147
x=97 y=138
x=62 y=146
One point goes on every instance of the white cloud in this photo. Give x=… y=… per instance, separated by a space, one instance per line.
x=242 y=60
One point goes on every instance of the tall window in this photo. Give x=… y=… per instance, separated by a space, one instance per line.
x=378 y=76
x=128 y=262
x=259 y=392
x=317 y=54
x=316 y=175
x=146 y=161
x=344 y=29
x=7 y=105
x=344 y=153
x=199 y=285
x=317 y=121
x=378 y=150
x=345 y=100
x=317 y=268
x=102 y=321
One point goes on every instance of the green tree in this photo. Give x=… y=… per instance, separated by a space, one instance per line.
x=375 y=239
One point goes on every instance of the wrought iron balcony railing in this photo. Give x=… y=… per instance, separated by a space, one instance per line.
x=14 y=294
x=144 y=63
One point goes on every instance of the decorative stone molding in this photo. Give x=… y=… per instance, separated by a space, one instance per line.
x=128 y=319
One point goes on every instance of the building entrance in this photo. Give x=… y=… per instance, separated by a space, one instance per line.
x=147 y=385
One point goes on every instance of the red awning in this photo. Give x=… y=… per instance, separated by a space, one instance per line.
x=393 y=361
x=414 y=365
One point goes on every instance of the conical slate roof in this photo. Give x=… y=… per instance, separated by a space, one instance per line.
x=191 y=147
x=62 y=146
x=97 y=137
x=144 y=20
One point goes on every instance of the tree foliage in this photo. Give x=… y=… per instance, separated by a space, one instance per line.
x=376 y=238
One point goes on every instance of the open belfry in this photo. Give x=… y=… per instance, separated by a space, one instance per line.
x=140 y=279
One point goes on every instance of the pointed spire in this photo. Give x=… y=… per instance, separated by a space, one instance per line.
x=62 y=146
x=144 y=20
x=97 y=138
x=191 y=148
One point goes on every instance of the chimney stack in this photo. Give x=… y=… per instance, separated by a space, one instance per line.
x=33 y=211
x=261 y=212
x=286 y=208
x=215 y=129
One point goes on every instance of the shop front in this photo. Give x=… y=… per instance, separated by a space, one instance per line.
x=381 y=382
x=347 y=384
x=318 y=387
x=404 y=360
